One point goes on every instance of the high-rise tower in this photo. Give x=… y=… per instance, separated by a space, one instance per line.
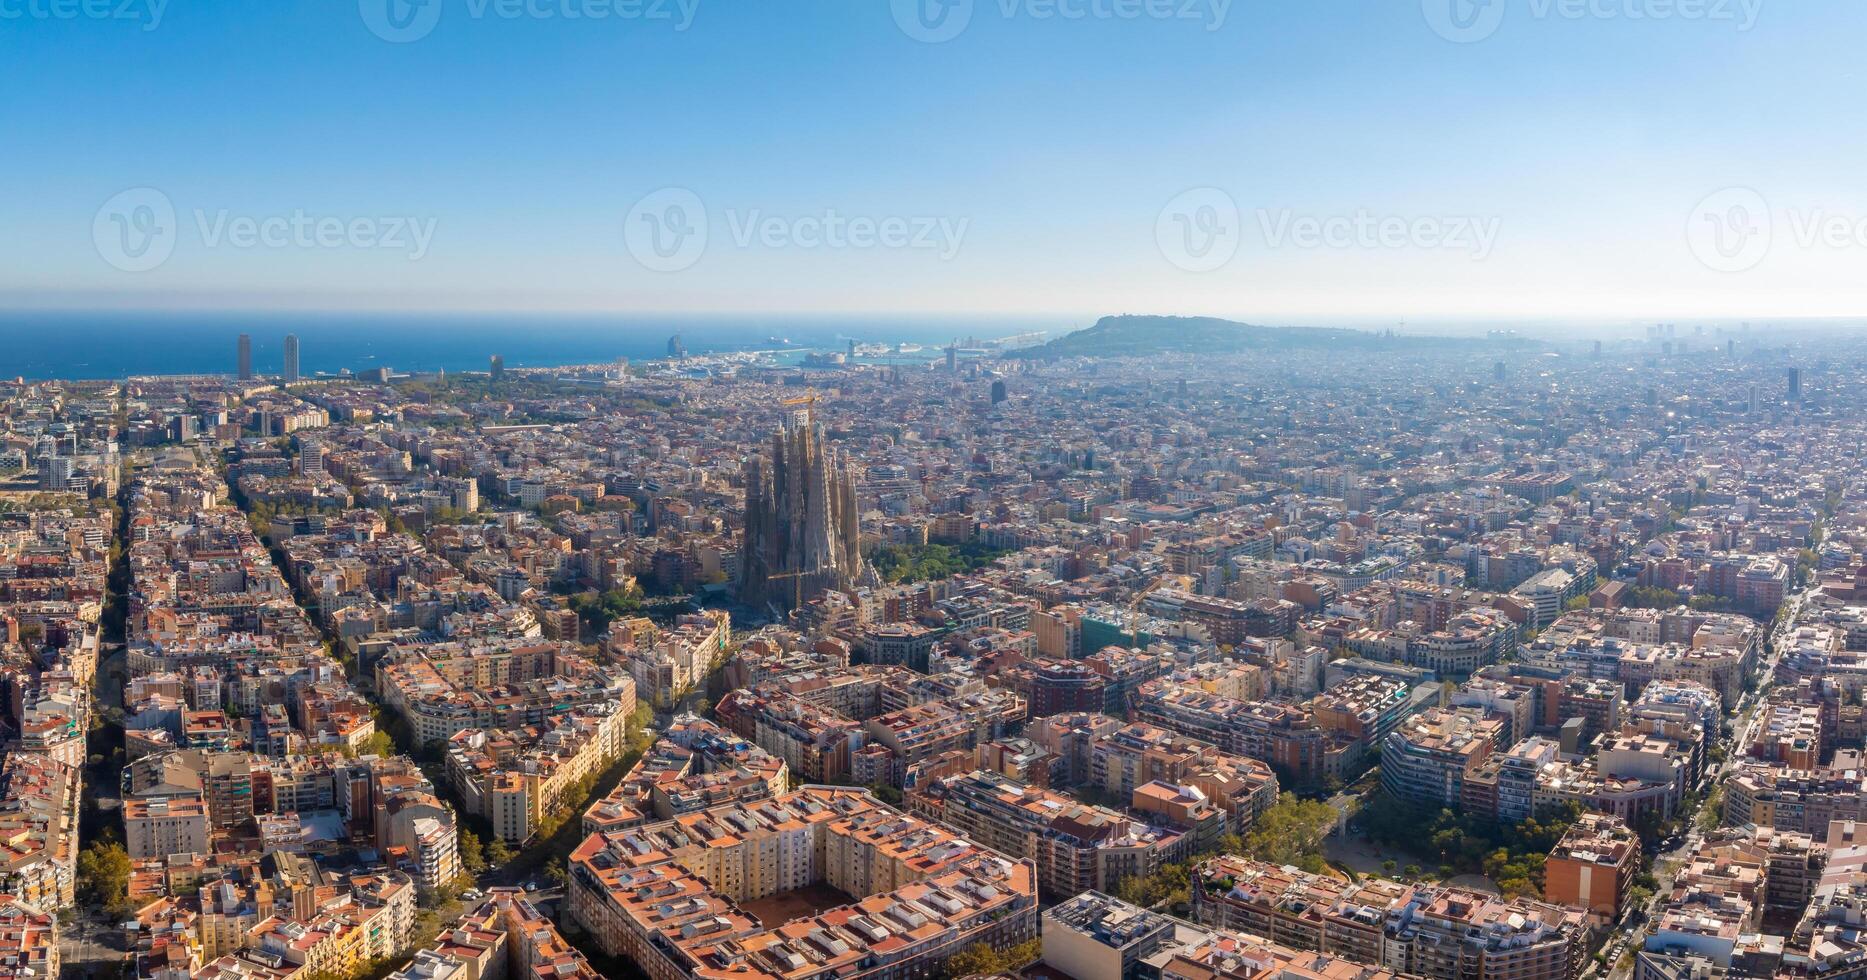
x=801 y=532
x=246 y=357
x=291 y=358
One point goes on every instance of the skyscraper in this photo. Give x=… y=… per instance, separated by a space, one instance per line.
x=800 y=524
x=246 y=357
x=497 y=368
x=1795 y=384
x=310 y=458
x=291 y=358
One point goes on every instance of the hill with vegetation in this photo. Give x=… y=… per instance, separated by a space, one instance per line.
x=1138 y=336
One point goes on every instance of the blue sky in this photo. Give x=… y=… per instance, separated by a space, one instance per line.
x=1350 y=161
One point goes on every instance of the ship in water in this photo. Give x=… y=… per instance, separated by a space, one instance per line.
x=826 y=359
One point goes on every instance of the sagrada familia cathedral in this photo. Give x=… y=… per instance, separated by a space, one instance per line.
x=801 y=529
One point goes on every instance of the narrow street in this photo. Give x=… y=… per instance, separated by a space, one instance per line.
x=89 y=944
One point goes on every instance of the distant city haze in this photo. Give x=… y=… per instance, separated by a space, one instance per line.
x=78 y=345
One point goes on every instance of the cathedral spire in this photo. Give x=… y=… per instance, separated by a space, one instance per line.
x=801 y=529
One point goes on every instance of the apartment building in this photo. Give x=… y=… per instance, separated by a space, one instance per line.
x=38 y=831
x=1426 y=759
x=667 y=896
x=504 y=937
x=1593 y=866
x=695 y=766
x=165 y=825
x=28 y=941
x=1137 y=754
x=1075 y=847
x=1434 y=931
x=516 y=779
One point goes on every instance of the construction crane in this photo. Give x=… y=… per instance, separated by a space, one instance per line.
x=809 y=404
x=1134 y=609
x=797 y=580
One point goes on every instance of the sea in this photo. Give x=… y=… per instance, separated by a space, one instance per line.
x=108 y=345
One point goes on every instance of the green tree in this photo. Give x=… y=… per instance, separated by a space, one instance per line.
x=1292 y=832
x=1023 y=954
x=1711 y=815
x=498 y=853
x=596 y=612
x=1170 y=886
x=472 y=852
x=979 y=958
x=379 y=743
x=917 y=563
x=104 y=878
x=1510 y=854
